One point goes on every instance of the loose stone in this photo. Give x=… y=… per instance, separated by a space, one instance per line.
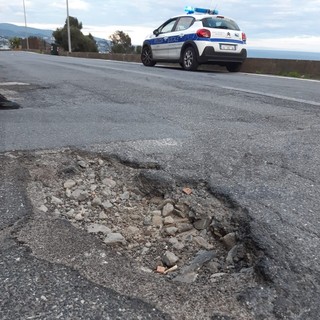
x=82 y=164
x=69 y=184
x=169 y=259
x=80 y=195
x=229 y=240
x=167 y=209
x=187 y=277
x=96 y=202
x=79 y=217
x=157 y=221
x=107 y=204
x=202 y=243
x=114 y=238
x=56 y=201
x=202 y=224
x=109 y=183
x=168 y=220
x=133 y=230
x=43 y=208
x=96 y=228
x=125 y=196
x=183 y=227
x=171 y=231
x=102 y=216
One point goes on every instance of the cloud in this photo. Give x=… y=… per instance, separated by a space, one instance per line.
x=263 y=21
x=72 y=4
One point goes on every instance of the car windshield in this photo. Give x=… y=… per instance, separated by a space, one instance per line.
x=220 y=23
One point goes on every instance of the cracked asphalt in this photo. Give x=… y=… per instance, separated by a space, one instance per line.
x=253 y=139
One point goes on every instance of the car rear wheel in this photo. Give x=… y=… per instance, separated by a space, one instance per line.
x=189 y=59
x=234 y=67
x=146 y=57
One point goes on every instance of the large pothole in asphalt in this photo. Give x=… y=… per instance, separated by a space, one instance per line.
x=180 y=231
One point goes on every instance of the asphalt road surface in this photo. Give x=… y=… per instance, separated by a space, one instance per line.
x=253 y=138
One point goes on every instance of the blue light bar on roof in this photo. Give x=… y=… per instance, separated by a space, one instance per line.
x=191 y=10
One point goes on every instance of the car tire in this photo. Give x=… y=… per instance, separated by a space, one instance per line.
x=234 y=67
x=146 y=57
x=189 y=59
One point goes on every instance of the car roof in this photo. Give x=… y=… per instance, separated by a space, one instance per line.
x=200 y=16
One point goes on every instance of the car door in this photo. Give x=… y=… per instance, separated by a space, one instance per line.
x=178 y=36
x=159 y=44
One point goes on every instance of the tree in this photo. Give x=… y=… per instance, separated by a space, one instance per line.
x=79 y=42
x=121 y=43
x=15 y=43
x=138 y=49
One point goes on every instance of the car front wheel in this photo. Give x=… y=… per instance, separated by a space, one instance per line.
x=189 y=59
x=146 y=57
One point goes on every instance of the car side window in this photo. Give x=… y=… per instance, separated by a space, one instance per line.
x=168 y=26
x=184 y=23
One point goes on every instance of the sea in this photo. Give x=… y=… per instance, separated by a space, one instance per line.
x=279 y=54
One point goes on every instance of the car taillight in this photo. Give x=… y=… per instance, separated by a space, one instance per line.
x=204 y=33
x=244 y=37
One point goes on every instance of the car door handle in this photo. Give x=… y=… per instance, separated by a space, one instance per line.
x=181 y=35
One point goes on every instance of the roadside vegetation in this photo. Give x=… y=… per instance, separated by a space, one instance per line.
x=15 y=43
x=80 y=42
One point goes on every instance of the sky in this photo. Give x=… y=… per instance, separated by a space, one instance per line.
x=269 y=24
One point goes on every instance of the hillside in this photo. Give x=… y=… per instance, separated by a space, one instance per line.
x=8 y=30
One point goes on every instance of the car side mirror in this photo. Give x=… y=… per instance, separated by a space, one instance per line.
x=156 y=32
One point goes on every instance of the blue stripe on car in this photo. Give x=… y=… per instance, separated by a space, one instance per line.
x=186 y=37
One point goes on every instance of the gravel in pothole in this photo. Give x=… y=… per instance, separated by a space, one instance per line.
x=183 y=229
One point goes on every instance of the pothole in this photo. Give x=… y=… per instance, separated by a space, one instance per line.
x=179 y=231
x=7 y=104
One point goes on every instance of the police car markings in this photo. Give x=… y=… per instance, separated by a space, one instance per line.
x=191 y=36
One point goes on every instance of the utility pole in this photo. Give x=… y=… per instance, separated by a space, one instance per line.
x=25 y=24
x=68 y=27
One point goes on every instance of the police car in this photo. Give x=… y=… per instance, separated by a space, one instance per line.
x=201 y=36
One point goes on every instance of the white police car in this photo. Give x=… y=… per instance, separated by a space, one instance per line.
x=201 y=36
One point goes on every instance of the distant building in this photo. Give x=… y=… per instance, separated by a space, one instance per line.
x=4 y=44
